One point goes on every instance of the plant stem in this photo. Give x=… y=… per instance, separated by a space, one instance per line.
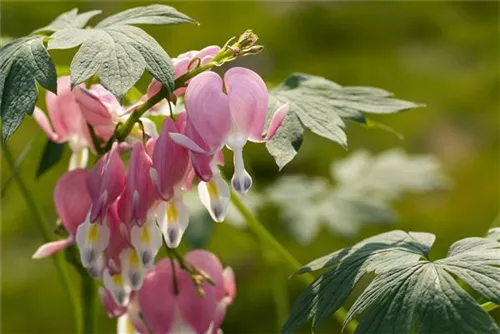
x=263 y=234
x=43 y=225
x=123 y=131
x=88 y=304
x=489 y=306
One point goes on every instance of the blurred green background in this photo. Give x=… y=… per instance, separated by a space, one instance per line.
x=443 y=54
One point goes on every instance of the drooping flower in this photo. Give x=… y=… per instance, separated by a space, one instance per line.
x=169 y=172
x=68 y=124
x=170 y=303
x=236 y=113
x=137 y=207
x=103 y=111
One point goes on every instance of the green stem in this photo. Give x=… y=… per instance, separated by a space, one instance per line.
x=88 y=304
x=489 y=306
x=43 y=225
x=124 y=130
x=267 y=238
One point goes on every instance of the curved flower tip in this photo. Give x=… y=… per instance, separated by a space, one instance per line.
x=44 y=123
x=173 y=219
x=112 y=308
x=117 y=286
x=277 y=120
x=147 y=241
x=52 y=247
x=215 y=196
x=229 y=284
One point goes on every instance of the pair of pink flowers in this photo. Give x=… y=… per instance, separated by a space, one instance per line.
x=117 y=217
x=168 y=302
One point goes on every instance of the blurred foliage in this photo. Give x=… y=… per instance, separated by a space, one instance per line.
x=443 y=54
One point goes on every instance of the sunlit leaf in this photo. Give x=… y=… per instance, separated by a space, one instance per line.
x=409 y=294
x=321 y=106
x=69 y=19
x=23 y=62
x=365 y=185
x=117 y=51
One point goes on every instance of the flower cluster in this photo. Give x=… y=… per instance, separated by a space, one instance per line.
x=119 y=216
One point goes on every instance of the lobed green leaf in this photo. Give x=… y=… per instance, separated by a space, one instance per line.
x=23 y=62
x=322 y=105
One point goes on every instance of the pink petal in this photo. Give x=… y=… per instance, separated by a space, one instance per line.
x=211 y=265
x=156 y=297
x=95 y=111
x=106 y=181
x=72 y=199
x=63 y=110
x=118 y=242
x=153 y=88
x=186 y=142
x=248 y=98
x=112 y=308
x=44 y=123
x=198 y=312
x=208 y=53
x=229 y=284
x=211 y=120
x=139 y=194
x=277 y=120
x=169 y=160
x=50 y=248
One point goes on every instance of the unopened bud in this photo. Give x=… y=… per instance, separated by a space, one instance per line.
x=200 y=292
x=247 y=40
x=254 y=50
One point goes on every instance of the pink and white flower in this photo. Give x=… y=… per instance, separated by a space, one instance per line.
x=68 y=123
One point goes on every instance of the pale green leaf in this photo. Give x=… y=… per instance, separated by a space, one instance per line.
x=365 y=186
x=118 y=52
x=153 y=14
x=70 y=19
x=322 y=105
x=409 y=294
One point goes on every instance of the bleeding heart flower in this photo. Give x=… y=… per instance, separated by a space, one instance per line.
x=68 y=124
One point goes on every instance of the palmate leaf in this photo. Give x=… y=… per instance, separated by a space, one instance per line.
x=365 y=185
x=23 y=62
x=409 y=294
x=69 y=19
x=119 y=52
x=321 y=106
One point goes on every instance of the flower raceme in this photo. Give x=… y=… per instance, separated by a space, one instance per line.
x=118 y=217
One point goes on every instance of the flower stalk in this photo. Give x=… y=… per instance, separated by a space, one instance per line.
x=44 y=228
x=268 y=240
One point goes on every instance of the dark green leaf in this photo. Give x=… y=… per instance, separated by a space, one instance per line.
x=52 y=153
x=69 y=19
x=23 y=62
x=409 y=294
x=322 y=105
x=118 y=52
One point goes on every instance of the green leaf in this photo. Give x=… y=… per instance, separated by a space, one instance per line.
x=118 y=52
x=52 y=154
x=23 y=62
x=153 y=14
x=365 y=185
x=322 y=105
x=409 y=294
x=69 y=19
